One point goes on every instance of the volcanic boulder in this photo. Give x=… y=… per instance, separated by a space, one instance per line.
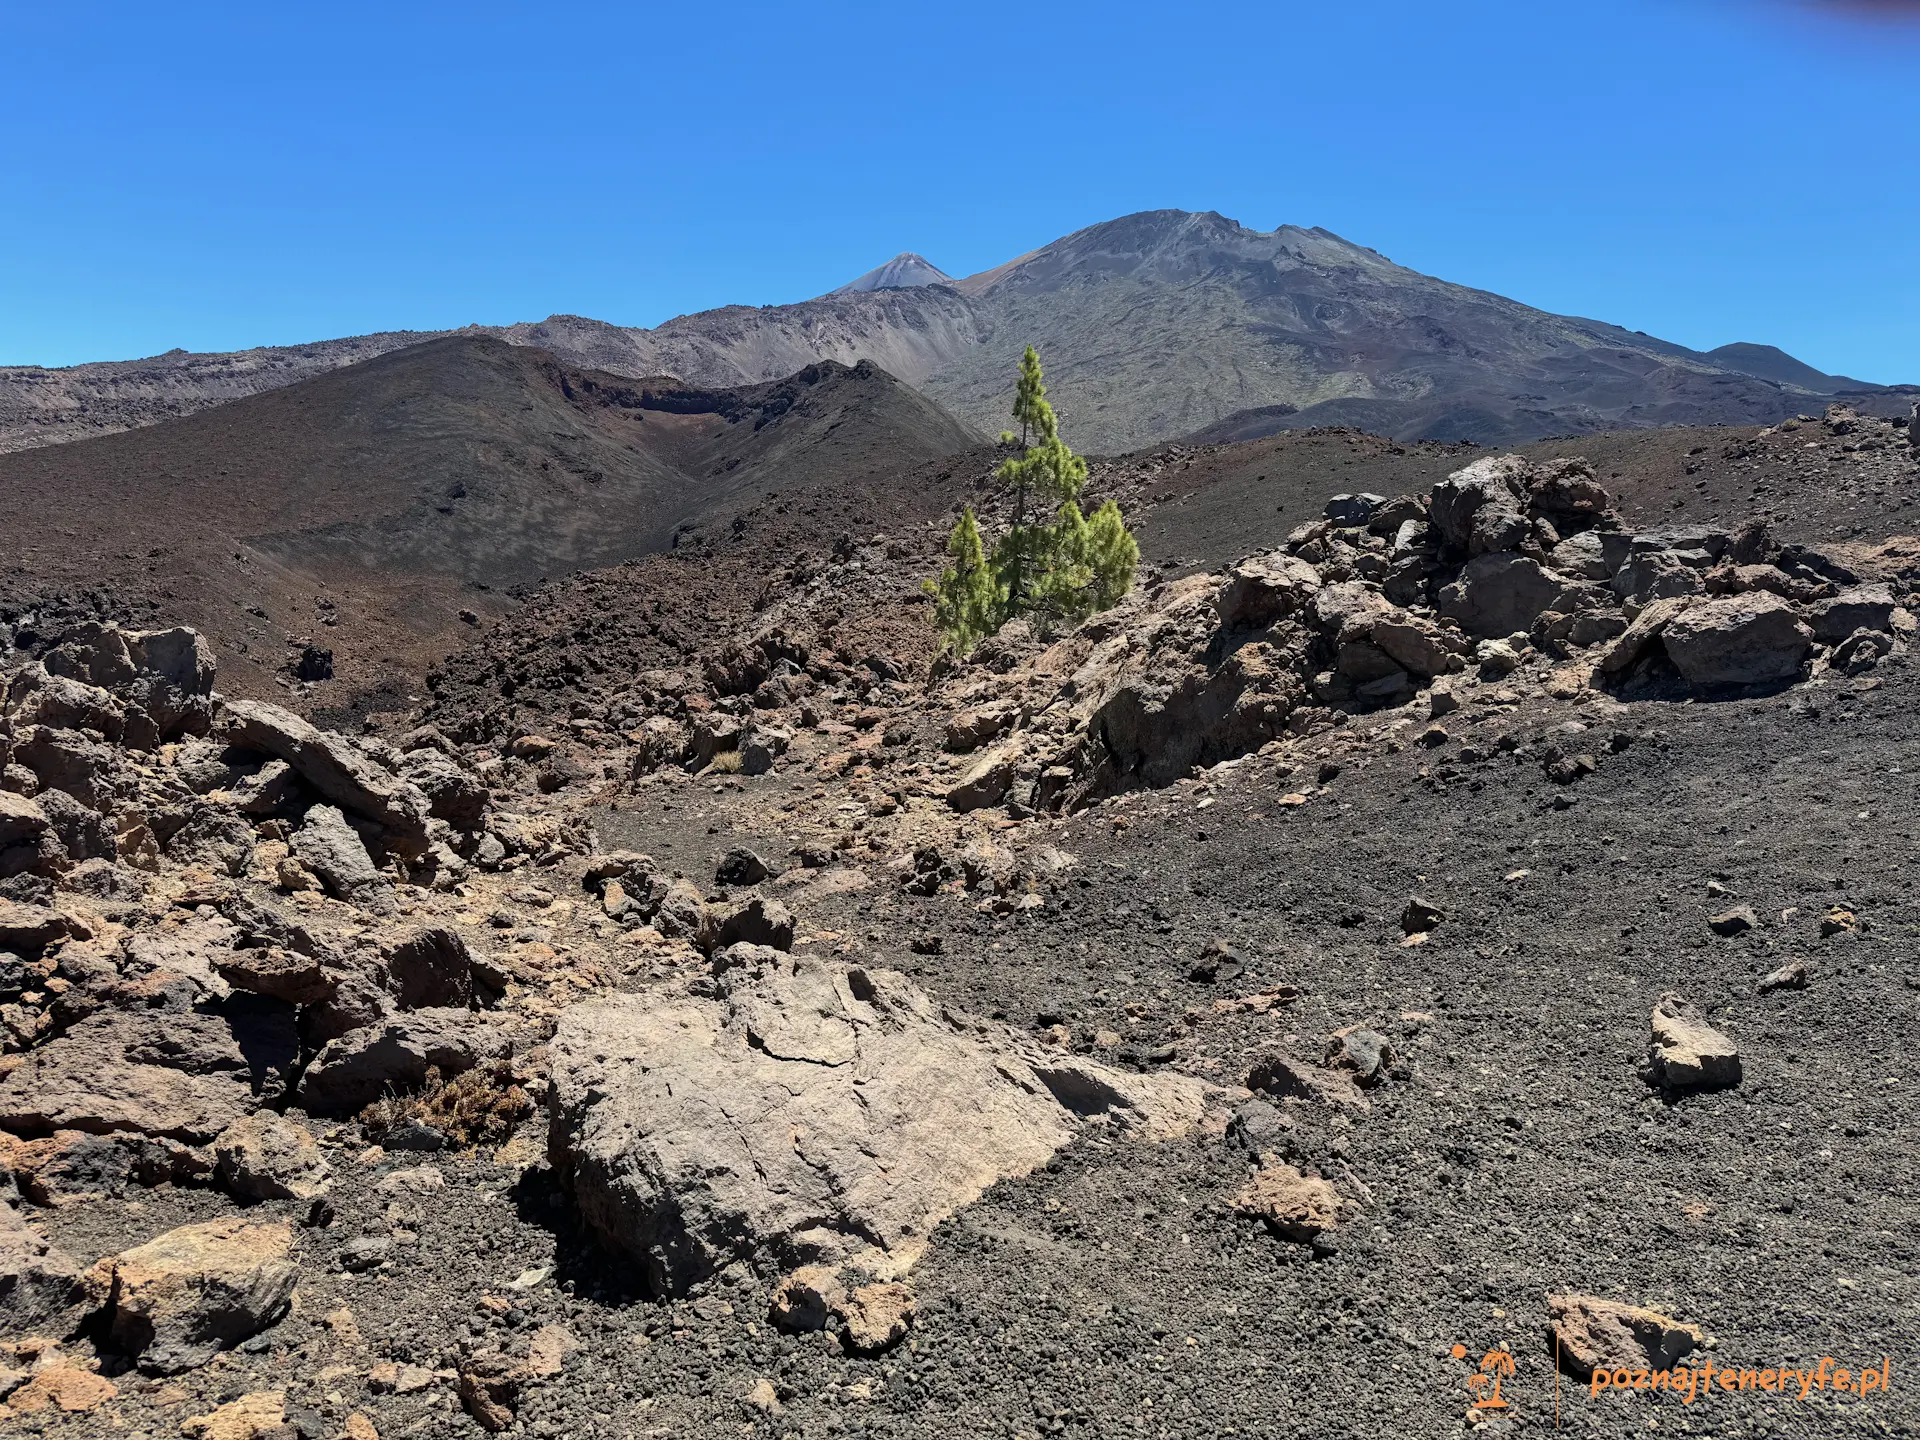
x=328 y=846
x=1477 y=510
x=1865 y=607
x=182 y=1076
x=1498 y=594
x=1738 y=640
x=1686 y=1052
x=264 y=1157
x=179 y=1300
x=808 y=1111
x=39 y=1282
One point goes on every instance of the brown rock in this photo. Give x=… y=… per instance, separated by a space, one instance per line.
x=969 y=729
x=257 y=1416
x=878 y=1317
x=21 y=819
x=489 y=1389
x=986 y=782
x=1863 y=607
x=98 y=1078
x=1283 y=1075
x=1348 y=611
x=811 y=1111
x=1417 y=645
x=1738 y=640
x=1736 y=921
x=431 y=966
x=28 y=927
x=1590 y=1334
x=1498 y=594
x=808 y=1299
x=282 y=974
x=71 y=1165
x=1476 y=510
x=394 y=1054
x=547 y=1352
x=1790 y=976
x=178 y=1300
x=64 y=1387
x=1686 y=1052
x=263 y=1157
x=1295 y=1206
x=1265 y=588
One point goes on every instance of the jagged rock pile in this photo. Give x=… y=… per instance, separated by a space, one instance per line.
x=1505 y=563
x=201 y=935
x=1508 y=571
x=171 y=976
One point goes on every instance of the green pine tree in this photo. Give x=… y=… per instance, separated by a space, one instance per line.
x=1045 y=469
x=1058 y=571
x=966 y=597
x=1112 y=555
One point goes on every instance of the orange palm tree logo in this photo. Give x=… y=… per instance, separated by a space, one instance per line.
x=1495 y=1366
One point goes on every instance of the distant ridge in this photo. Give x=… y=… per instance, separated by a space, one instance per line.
x=1153 y=327
x=1769 y=362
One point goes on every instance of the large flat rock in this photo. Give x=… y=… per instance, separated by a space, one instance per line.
x=809 y=1113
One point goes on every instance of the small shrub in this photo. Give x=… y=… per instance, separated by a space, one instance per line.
x=482 y=1106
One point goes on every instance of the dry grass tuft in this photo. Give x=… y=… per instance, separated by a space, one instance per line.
x=482 y=1106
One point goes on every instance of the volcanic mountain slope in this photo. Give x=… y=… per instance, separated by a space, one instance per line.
x=364 y=509
x=1153 y=326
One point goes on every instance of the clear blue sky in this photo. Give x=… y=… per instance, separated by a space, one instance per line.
x=218 y=176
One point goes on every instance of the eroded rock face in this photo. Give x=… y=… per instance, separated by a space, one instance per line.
x=183 y=1077
x=807 y=1112
x=179 y=1300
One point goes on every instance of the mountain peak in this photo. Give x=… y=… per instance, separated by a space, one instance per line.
x=904 y=271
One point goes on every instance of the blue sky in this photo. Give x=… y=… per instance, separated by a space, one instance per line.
x=218 y=176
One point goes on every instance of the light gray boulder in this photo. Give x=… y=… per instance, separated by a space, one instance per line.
x=1738 y=640
x=810 y=1113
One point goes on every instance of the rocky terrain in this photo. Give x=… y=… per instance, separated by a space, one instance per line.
x=1432 y=922
x=1154 y=326
x=381 y=512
